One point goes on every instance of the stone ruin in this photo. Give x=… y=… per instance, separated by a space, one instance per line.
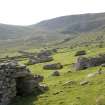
x=16 y=80
x=84 y=62
x=41 y=57
x=44 y=53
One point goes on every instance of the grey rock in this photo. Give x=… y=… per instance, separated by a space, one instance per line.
x=53 y=66
x=103 y=65
x=71 y=82
x=84 y=82
x=56 y=73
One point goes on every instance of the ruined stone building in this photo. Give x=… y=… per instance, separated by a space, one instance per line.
x=85 y=62
x=16 y=80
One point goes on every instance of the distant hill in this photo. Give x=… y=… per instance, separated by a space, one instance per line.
x=74 y=23
x=71 y=28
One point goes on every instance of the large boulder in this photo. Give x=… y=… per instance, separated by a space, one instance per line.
x=53 y=66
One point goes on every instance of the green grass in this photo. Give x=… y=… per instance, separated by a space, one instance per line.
x=73 y=94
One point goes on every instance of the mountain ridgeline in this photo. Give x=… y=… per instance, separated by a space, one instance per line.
x=83 y=28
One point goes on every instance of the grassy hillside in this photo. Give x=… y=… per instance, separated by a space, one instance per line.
x=71 y=93
x=74 y=23
x=70 y=33
x=77 y=28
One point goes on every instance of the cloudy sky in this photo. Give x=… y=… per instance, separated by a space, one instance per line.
x=26 y=12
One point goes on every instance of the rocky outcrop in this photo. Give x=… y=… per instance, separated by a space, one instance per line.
x=15 y=80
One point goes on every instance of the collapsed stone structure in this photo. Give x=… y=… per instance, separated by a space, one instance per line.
x=44 y=53
x=41 y=57
x=83 y=62
x=15 y=80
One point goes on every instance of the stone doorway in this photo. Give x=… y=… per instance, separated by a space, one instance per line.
x=20 y=86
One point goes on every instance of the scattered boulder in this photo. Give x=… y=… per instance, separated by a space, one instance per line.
x=53 y=66
x=84 y=82
x=43 y=87
x=103 y=65
x=98 y=72
x=56 y=93
x=69 y=71
x=56 y=73
x=71 y=82
x=100 y=100
x=38 y=78
x=79 y=53
x=91 y=75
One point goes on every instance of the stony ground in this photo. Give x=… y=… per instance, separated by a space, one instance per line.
x=66 y=89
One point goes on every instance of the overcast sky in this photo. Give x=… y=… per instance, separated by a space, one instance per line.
x=26 y=12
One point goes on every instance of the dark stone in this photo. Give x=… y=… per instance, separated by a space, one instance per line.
x=56 y=73
x=53 y=66
x=78 y=53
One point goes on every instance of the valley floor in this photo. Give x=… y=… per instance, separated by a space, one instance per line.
x=60 y=93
